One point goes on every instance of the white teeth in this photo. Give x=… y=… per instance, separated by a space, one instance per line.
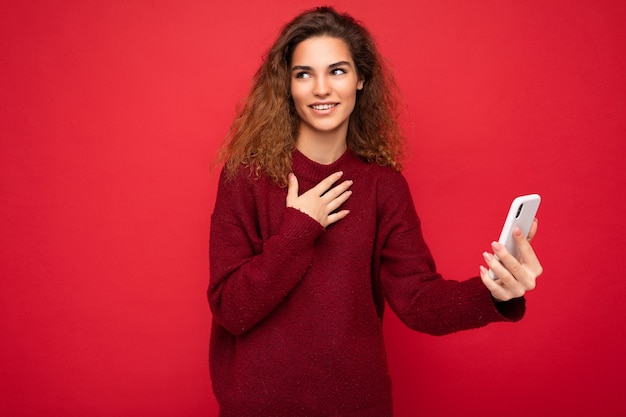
x=323 y=106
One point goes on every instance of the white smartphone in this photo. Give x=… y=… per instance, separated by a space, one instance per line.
x=521 y=214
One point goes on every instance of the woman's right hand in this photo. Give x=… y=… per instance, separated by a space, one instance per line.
x=321 y=202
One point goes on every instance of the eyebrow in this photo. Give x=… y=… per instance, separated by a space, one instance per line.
x=308 y=68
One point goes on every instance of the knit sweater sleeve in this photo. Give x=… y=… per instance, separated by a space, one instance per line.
x=250 y=276
x=418 y=295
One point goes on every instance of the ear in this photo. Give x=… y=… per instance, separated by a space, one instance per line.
x=359 y=85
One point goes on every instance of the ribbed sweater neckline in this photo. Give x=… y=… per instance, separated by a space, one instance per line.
x=314 y=171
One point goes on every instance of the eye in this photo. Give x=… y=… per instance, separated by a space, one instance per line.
x=338 y=71
x=302 y=74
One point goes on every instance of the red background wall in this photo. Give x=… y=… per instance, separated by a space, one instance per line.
x=111 y=112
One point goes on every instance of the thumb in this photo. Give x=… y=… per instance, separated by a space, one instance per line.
x=292 y=190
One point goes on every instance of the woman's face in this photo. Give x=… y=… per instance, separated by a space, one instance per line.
x=324 y=82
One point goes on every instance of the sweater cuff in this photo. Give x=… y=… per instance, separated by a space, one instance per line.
x=511 y=311
x=300 y=226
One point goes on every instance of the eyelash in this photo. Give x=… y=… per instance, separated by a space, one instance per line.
x=333 y=72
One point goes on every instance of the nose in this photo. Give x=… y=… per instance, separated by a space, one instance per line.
x=321 y=87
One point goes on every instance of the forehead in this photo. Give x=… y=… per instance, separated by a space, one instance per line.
x=321 y=51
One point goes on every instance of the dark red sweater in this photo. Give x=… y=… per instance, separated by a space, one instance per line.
x=297 y=309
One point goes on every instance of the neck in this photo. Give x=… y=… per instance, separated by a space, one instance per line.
x=322 y=147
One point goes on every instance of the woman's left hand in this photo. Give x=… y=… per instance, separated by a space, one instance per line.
x=513 y=277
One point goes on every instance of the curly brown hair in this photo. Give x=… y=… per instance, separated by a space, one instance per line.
x=263 y=134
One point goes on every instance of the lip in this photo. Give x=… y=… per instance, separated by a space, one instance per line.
x=323 y=107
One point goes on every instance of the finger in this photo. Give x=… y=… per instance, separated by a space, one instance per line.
x=292 y=190
x=335 y=217
x=497 y=291
x=496 y=267
x=521 y=242
x=505 y=258
x=326 y=183
x=527 y=254
x=338 y=190
x=528 y=257
x=338 y=201
x=514 y=276
x=505 y=286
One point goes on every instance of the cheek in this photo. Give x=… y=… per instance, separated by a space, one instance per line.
x=296 y=98
x=349 y=95
x=298 y=101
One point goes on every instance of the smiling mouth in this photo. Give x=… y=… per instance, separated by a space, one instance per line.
x=323 y=106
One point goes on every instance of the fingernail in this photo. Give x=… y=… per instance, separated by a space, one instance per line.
x=517 y=231
x=487 y=256
x=496 y=246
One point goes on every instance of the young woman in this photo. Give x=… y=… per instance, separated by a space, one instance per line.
x=314 y=230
